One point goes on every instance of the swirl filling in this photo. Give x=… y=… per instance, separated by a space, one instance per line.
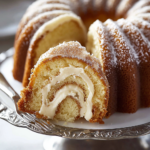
x=49 y=108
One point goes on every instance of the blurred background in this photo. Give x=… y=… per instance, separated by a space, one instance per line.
x=11 y=12
x=15 y=138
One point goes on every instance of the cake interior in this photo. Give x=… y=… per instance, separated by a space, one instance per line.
x=69 y=108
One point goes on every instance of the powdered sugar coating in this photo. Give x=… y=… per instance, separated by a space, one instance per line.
x=126 y=25
x=142 y=25
x=44 y=8
x=42 y=2
x=106 y=43
x=121 y=42
x=144 y=16
x=139 y=43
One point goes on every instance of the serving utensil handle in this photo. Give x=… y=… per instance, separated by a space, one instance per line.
x=16 y=117
x=12 y=116
x=8 y=90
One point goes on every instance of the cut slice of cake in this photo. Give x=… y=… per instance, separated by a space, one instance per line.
x=67 y=83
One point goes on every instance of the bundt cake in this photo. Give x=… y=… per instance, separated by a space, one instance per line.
x=70 y=83
x=120 y=40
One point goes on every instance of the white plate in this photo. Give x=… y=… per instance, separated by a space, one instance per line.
x=117 y=120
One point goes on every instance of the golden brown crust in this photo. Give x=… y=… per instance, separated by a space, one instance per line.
x=99 y=117
x=30 y=62
x=25 y=98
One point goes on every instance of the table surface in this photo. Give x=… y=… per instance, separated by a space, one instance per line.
x=15 y=138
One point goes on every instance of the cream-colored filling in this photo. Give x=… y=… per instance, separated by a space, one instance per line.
x=49 y=108
x=69 y=90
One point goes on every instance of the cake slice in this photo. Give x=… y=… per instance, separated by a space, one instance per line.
x=67 y=83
